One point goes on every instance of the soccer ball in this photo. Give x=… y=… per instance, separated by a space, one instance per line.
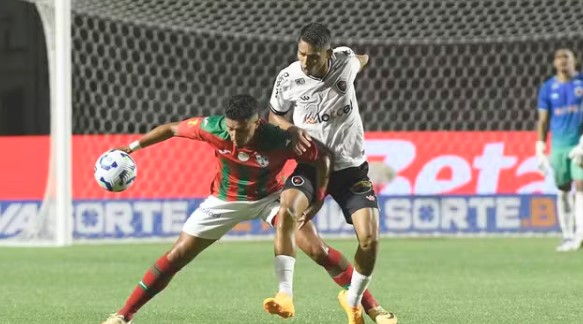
x=115 y=170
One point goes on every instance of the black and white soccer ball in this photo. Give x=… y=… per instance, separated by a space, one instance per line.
x=115 y=171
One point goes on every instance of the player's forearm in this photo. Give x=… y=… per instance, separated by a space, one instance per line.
x=542 y=130
x=156 y=135
x=280 y=121
x=323 y=167
x=363 y=60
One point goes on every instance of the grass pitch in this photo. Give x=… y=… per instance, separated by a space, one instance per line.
x=424 y=281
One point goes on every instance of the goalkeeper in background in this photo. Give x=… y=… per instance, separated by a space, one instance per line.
x=560 y=108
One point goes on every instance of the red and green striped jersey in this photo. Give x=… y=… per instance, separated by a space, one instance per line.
x=250 y=172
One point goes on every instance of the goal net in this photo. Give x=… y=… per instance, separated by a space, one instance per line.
x=448 y=102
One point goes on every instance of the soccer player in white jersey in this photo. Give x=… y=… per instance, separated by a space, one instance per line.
x=318 y=91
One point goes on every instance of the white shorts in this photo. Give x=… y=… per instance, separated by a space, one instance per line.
x=215 y=217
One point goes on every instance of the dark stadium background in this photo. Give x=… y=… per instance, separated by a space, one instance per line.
x=435 y=65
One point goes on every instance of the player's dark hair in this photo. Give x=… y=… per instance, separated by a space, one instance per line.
x=316 y=34
x=241 y=107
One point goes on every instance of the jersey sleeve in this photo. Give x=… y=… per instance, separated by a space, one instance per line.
x=352 y=62
x=191 y=128
x=543 y=98
x=278 y=103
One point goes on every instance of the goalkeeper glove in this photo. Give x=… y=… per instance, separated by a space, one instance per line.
x=543 y=165
x=576 y=153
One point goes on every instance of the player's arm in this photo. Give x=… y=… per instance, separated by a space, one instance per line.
x=542 y=127
x=576 y=153
x=301 y=140
x=321 y=159
x=281 y=120
x=156 y=135
x=189 y=128
x=363 y=60
x=544 y=107
x=280 y=110
x=357 y=62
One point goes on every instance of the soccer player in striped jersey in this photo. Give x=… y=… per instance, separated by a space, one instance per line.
x=560 y=107
x=317 y=93
x=250 y=154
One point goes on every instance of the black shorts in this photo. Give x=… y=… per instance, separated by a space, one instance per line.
x=350 y=188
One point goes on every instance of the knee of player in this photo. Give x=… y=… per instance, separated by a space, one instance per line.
x=286 y=221
x=368 y=242
x=288 y=212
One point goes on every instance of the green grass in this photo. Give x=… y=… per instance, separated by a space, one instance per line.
x=424 y=281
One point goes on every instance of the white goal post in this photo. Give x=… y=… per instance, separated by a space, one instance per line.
x=52 y=224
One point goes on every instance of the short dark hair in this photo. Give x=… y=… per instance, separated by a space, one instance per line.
x=241 y=107
x=316 y=34
x=565 y=49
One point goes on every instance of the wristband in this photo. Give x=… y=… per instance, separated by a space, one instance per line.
x=135 y=145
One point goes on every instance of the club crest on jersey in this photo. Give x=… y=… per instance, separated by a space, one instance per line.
x=341 y=85
x=262 y=160
x=242 y=156
x=192 y=123
x=579 y=91
x=297 y=181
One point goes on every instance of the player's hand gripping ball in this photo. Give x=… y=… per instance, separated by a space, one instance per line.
x=115 y=170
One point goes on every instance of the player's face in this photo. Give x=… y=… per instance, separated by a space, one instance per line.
x=564 y=61
x=313 y=60
x=242 y=131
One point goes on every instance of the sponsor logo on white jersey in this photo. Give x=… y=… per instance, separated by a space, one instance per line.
x=322 y=117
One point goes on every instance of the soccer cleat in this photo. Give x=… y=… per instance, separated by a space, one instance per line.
x=282 y=305
x=354 y=313
x=576 y=243
x=566 y=245
x=380 y=316
x=116 y=319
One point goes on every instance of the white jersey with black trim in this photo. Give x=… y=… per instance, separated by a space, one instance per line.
x=326 y=108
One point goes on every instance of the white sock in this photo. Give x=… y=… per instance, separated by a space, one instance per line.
x=565 y=213
x=358 y=285
x=579 y=214
x=284 y=272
